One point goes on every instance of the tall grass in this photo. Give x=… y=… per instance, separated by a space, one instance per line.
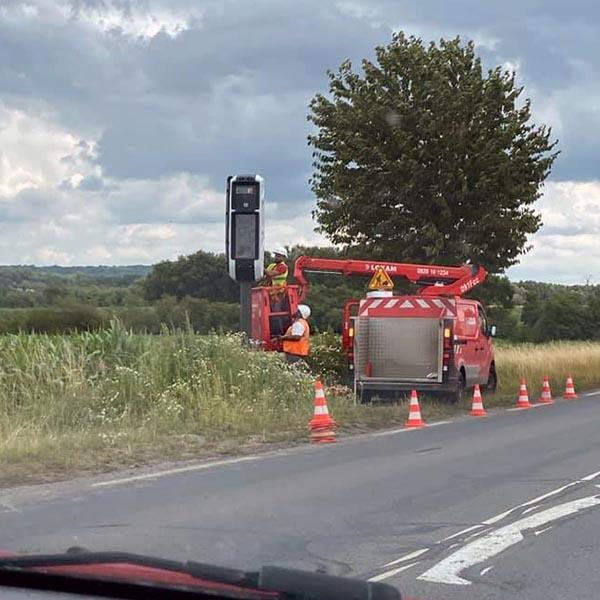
x=64 y=395
x=107 y=398
x=555 y=359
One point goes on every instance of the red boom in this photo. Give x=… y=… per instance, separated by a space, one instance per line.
x=436 y=280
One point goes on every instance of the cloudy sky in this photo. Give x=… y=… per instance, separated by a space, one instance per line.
x=120 y=119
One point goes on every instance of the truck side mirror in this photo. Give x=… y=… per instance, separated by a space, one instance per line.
x=493 y=331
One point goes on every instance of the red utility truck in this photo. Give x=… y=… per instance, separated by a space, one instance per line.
x=433 y=341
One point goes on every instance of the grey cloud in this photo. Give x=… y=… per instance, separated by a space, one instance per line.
x=230 y=93
x=92 y=183
x=178 y=103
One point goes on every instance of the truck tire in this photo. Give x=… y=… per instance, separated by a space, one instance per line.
x=492 y=382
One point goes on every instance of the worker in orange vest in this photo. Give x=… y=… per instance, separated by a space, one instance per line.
x=296 y=341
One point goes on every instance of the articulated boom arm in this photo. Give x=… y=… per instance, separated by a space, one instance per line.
x=437 y=280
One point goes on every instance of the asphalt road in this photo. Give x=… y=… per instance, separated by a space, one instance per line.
x=523 y=483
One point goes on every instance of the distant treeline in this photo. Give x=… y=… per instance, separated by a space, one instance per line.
x=196 y=290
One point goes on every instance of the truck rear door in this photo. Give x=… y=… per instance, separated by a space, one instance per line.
x=404 y=349
x=399 y=339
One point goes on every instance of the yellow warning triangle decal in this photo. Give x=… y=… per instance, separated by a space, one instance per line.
x=381 y=280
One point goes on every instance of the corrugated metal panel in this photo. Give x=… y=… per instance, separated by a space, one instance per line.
x=409 y=348
x=361 y=345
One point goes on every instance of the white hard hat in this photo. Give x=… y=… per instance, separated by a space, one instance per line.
x=304 y=310
x=281 y=250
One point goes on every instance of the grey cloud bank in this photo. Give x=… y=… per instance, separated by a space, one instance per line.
x=118 y=118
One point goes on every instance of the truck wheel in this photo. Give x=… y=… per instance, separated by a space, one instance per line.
x=492 y=382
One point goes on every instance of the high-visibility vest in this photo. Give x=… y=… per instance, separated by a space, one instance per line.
x=299 y=347
x=280 y=278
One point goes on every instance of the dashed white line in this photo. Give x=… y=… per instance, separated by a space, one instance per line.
x=550 y=493
x=472 y=535
x=486 y=570
x=405 y=429
x=462 y=532
x=391 y=432
x=157 y=474
x=592 y=393
x=592 y=476
x=530 y=406
x=530 y=509
x=388 y=574
x=501 y=516
x=406 y=557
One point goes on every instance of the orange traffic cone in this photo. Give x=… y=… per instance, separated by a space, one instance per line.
x=570 y=390
x=546 y=397
x=322 y=426
x=477 y=409
x=523 y=401
x=414 y=412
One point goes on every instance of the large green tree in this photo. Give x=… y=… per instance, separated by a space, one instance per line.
x=424 y=157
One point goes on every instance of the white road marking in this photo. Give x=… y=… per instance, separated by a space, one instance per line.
x=542 y=530
x=590 y=477
x=408 y=556
x=469 y=537
x=462 y=531
x=486 y=570
x=393 y=572
x=448 y=570
x=155 y=475
x=404 y=429
x=532 y=405
x=530 y=509
x=550 y=493
x=501 y=516
x=591 y=393
x=391 y=432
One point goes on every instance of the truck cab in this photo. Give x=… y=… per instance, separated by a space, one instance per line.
x=475 y=347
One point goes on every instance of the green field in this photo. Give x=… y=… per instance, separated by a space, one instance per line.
x=104 y=399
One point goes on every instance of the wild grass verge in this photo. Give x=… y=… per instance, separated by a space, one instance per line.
x=100 y=400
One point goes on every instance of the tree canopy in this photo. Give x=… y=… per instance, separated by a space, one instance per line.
x=202 y=274
x=423 y=157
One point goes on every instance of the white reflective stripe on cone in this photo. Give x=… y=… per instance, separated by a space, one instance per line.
x=321 y=410
x=319 y=393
